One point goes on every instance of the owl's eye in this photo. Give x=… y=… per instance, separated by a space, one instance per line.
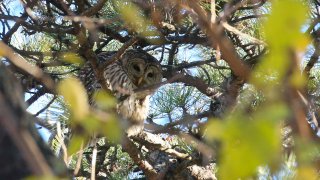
x=150 y=75
x=136 y=67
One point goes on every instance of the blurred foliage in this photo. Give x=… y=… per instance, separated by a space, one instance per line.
x=251 y=140
x=72 y=58
x=135 y=20
x=76 y=96
x=85 y=122
x=273 y=69
x=249 y=135
x=258 y=134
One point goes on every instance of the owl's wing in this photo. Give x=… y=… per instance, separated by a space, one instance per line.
x=88 y=78
x=105 y=56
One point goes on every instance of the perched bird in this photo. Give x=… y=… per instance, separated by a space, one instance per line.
x=135 y=69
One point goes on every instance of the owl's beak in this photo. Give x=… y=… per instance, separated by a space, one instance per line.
x=140 y=81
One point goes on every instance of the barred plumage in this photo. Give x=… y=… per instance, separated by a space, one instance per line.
x=135 y=69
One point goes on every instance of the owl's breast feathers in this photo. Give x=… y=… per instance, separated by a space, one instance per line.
x=134 y=109
x=130 y=105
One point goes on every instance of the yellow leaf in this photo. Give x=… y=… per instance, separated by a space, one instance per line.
x=91 y=124
x=75 y=143
x=73 y=58
x=2 y=53
x=134 y=18
x=283 y=34
x=298 y=80
x=214 y=129
x=255 y=141
x=75 y=95
x=104 y=100
x=306 y=172
x=112 y=129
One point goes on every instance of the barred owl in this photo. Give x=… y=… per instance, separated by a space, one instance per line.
x=135 y=69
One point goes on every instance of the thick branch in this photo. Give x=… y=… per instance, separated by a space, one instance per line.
x=313 y=59
x=192 y=81
x=218 y=38
x=96 y=8
x=22 y=64
x=137 y=157
x=27 y=146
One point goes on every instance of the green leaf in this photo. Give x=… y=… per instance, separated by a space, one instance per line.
x=91 y=124
x=254 y=140
x=112 y=129
x=284 y=36
x=102 y=123
x=73 y=58
x=75 y=95
x=215 y=129
x=133 y=17
x=307 y=172
x=104 y=100
x=75 y=143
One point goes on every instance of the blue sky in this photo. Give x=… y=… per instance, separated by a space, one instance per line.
x=34 y=108
x=16 y=9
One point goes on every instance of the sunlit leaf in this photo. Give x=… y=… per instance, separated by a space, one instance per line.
x=298 y=80
x=75 y=95
x=73 y=58
x=91 y=124
x=283 y=28
x=112 y=129
x=133 y=17
x=102 y=123
x=75 y=143
x=215 y=129
x=254 y=140
x=307 y=172
x=284 y=36
x=2 y=53
x=104 y=100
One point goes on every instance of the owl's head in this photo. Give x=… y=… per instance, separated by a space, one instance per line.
x=142 y=68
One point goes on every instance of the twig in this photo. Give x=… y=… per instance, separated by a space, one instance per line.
x=227 y=48
x=78 y=164
x=199 y=145
x=84 y=19
x=137 y=157
x=63 y=145
x=94 y=9
x=172 y=53
x=247 y=17
x=45 y=107
x=313 y=59
x=241 y=34
x=22 y=64
x=231 y=9
x=94 y=162
x=15 y=27
x=120 y=51
x=213 y=11
x=36 y=96
x=153 y=142
x=312 y=25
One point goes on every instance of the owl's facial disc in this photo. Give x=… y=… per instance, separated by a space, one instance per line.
x=136 y=68
x=152 y=76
